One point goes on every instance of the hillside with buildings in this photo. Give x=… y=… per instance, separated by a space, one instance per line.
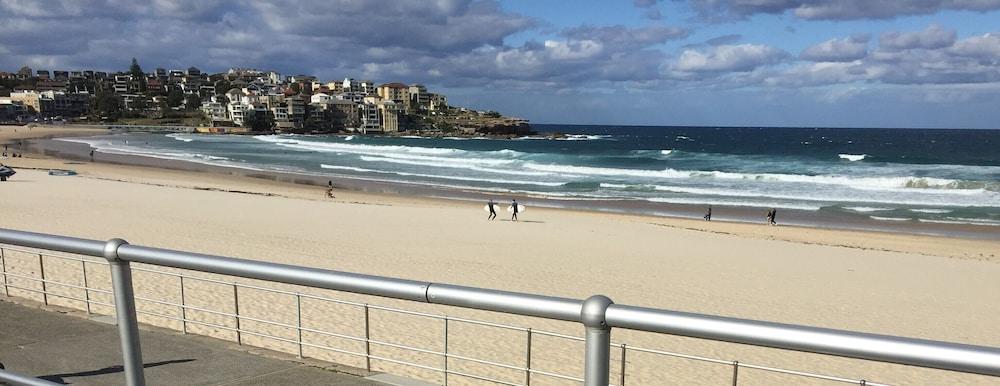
x=240 y=100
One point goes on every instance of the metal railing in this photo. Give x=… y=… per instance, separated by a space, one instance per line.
x=597 y=313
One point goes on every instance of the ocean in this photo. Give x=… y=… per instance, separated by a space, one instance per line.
x=886 y=175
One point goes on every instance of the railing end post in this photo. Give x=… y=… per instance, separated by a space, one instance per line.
x=128 y=325
x=597 y=361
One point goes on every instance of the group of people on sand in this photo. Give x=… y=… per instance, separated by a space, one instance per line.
x=493 y=211
x=770 y=215
x=12 y=154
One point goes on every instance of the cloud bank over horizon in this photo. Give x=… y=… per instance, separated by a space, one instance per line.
x=676 y=62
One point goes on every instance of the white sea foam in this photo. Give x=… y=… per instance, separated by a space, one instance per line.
x=180 y=137
x=349 y=137
x=931 y=211
x=468 y=164
x=888 y=218
x=666 y=152
x=446 y=177
x=910 y=184
x=585 y=137
x=351 y=168
x=437 y=161
x=865 y=209
x=852 y=157
x=963 y=221
x=337 y=147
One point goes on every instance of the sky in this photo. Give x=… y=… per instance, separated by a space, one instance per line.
x=803 y=63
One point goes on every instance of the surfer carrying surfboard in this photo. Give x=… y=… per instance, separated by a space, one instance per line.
x=513 y=205
x=493 y=211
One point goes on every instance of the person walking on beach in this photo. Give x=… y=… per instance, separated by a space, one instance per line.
x=513 y=205
x=708 y=216
x=91 y=156
x=493 y=210
x=774 y=212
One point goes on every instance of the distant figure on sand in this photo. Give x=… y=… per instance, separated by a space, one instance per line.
x=770 y=216
x=708 y=216
x=513 y=216
x=493 y=211
x=91 y=155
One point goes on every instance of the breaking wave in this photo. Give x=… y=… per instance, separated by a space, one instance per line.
x=852 y=157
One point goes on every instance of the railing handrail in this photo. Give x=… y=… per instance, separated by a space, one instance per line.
x=597 y=313
x=23 y=380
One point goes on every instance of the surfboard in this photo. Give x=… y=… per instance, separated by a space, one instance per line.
x=487 y=207
x=520 y=208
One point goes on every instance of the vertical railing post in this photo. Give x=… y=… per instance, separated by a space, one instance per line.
x=527 y=360
x=128 y=326
x=621 y=382
x=597 y=358
x=298 y=319
x=445 y=351
x=184 y=322
x=736 y=372
x=41 y=270
x=236 y=308
x=3 y=266
x=86 y=287
x=368 y=341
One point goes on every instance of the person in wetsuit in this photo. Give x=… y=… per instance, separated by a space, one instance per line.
x=513 y=205
x=493 y=210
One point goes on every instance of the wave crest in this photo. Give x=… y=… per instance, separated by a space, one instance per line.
x=852 y=157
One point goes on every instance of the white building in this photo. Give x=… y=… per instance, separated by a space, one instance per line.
x=368 y=113
x=320 y=98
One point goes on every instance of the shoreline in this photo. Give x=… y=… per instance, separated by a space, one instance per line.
x=818 y=219
x=898 y=284
x=361 y=191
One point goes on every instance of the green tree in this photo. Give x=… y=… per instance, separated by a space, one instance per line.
x=175 y=97
x=192 y=102
x=138 y=77
x=222 y=86
x=105 y=104
x=135 y=70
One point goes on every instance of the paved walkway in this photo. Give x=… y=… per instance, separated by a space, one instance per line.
x=74 y=350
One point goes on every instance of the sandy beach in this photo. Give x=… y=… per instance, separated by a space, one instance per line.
x=919 y=286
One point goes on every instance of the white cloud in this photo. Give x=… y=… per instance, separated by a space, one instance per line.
x=729 y=58
x=986 y=46
x=838 y=50
x=933 y=37
x=837 y=9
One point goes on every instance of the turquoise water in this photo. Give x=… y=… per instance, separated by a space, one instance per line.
x=945 y=176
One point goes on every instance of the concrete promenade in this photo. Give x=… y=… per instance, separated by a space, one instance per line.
x=65 y=347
